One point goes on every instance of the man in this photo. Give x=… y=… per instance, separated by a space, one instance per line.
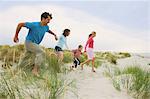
x=35 y=35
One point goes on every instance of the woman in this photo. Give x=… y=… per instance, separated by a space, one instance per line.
x=89 y=50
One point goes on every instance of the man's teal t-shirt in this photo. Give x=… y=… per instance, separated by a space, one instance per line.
x=36 y=32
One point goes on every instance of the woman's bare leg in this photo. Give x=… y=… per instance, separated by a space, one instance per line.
x=87 y=61
x=93 y=64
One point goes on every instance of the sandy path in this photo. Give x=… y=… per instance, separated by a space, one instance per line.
x=97 y=86
x=94 y=86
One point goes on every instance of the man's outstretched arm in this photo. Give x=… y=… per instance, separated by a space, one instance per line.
x=53 y=34
x=20 y=25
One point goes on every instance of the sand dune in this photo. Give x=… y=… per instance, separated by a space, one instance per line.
x=136 y=60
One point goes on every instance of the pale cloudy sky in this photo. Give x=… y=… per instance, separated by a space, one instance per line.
x=120 y=25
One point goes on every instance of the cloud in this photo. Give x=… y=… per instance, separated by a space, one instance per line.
x=110 y=36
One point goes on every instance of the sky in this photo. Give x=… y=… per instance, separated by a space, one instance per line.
x=120 y=25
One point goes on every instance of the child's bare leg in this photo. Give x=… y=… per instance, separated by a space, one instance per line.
x=60 y=56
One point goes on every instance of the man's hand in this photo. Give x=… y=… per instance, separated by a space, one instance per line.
x=16 y=39
x=20 y=25
x=53 y=34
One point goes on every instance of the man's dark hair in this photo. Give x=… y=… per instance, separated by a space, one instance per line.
x=66 y=31
x=80 y=46
x=45 y=15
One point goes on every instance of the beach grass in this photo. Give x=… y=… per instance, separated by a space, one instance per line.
x=132 y=78
x=18 y=83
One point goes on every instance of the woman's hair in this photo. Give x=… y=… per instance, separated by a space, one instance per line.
x=93 y=32
x=90 y=35
x=66 y=32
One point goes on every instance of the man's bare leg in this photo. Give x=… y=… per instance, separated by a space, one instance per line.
x=35 y=70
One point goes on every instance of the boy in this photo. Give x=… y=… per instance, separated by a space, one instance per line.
x=77 y=53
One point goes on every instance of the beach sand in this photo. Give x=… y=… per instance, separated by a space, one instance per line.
x=96 y=86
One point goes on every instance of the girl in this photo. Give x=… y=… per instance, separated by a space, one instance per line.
x=61 y=42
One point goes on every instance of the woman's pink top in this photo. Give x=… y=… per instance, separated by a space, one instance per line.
x=89 y=43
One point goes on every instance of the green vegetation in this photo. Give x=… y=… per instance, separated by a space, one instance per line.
x=141 y=82
x=112 y=57
x=19 y=83
x=134 y=79
x=68 y=57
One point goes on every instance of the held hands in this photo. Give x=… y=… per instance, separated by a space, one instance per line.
x=84 y=53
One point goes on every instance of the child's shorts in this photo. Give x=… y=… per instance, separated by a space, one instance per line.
x=57 y=49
